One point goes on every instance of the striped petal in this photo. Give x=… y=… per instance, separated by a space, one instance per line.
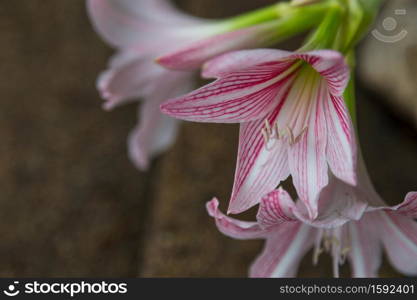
x=283 y=251
x=307 y=157
x=341 y=144
x=365 y=253
x=276 y=208
x=240 y=96
x=399 y=236
x=261 y=165
x=232 y=227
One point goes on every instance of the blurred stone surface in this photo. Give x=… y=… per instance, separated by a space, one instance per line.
x=388 y=61
x=71 y=203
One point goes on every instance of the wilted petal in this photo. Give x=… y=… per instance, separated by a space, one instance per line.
x=399 y=236
x=276 y=208
x=232 y=227
x=365 y=253
x=260 y=166
x=240 y=96
x=283 y=251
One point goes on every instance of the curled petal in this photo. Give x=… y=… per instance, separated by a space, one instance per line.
x=331 y=65
x=409 y=207
x=124 y=81
x=283 y=251
x=232 y=227
x=276 y=208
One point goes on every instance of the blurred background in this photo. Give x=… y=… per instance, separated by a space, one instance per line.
x=72 y=205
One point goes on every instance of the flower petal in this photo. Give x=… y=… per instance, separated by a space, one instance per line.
x=307 y=159
x=239 y=60
x=399 y=236
x=341 y=147
x=409 y=207
x=154 y=134
x=331 y=65
x=260 y=166
x=195 y=54
x=365 y=253
x=240 y=96
x=132 y=23
x=338 y=204
x=276 y=208
x=232 y=227
x=284 y=249
x=125 y=80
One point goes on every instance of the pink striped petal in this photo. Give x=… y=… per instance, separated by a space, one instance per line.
x=240 y=60
x=195 y=54
x=331 y=65
x=284 y=249
x=238 y=97
x=307 y=157
x=341 y=142
x=365 y=253
x=276 y=208
x=154 y=134
x=399 y=236
x=260 y=167
x=232 y=227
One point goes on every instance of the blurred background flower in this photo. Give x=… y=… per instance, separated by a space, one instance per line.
x=73 y=205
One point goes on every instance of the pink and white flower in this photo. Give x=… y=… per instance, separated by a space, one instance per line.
x=289 y=238
x=142 y=30
x=293 y=120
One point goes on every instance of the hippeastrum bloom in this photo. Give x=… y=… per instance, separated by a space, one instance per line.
x=293 y=120
x=289 y=238
x=142 y=30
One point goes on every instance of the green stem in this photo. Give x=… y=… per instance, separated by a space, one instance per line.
x=325 y=36
x=277 y=11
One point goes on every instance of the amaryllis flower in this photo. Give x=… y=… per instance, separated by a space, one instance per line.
x=288 y=238
x=293 y=120
x=142 y=30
